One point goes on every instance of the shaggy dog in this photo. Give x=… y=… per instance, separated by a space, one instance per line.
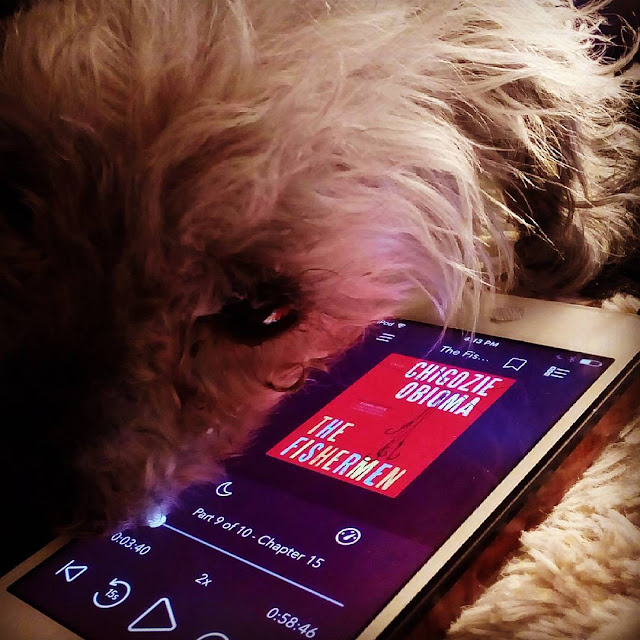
x=202 y=201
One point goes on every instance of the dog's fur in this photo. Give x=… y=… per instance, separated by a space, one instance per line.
x=173 y=171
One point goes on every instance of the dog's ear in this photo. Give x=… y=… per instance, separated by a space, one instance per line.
x=22 y=256
x=17 y=181
x=9 y=7
x=17 y=155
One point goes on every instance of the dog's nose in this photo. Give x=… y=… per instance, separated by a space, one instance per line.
x=290 y=380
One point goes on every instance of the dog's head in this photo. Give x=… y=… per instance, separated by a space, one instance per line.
x=189 y=225
x=193 y=217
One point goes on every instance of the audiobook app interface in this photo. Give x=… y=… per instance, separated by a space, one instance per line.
x=351 y=486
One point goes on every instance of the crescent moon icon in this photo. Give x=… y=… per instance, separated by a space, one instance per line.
x=222 y=490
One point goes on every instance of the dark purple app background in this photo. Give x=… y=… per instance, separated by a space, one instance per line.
x=275 y=550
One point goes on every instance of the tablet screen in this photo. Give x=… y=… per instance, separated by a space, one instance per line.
x=349 y=489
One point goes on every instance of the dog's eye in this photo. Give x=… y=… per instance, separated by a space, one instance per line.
x=265 y=314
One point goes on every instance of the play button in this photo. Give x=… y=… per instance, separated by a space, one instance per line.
x=158 y=617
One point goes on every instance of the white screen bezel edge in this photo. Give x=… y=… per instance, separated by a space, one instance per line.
x=610 y=334
x=613 y=335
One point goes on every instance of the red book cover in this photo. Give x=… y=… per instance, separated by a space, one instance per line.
x=391 y=424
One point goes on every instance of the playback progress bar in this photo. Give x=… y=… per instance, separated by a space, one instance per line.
x=254 y=565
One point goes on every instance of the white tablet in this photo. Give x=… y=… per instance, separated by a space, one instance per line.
x=359 y=500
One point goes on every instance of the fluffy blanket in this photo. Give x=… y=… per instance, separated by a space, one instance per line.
x=574 y=574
